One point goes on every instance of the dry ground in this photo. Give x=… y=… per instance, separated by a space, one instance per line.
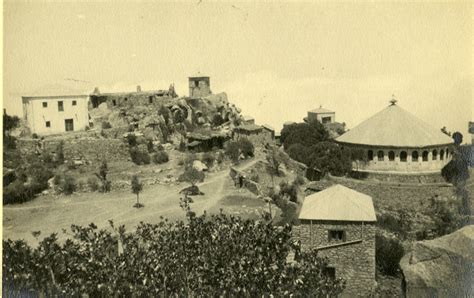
x=51 y=214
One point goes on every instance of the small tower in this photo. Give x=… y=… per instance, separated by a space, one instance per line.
x=199 y=86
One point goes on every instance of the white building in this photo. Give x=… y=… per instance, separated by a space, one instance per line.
x=322 y=115
x=56 y=114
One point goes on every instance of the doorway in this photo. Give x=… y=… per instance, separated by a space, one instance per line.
x=69 y=123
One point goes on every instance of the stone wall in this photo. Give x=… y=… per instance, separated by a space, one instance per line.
x=93 y=150
x=353 y=259
x=258 y=138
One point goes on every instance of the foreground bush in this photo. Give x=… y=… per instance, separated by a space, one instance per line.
x=202 y=256
x=139 y=154
x=160 y=157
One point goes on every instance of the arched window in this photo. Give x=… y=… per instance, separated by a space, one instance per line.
x=435 y=154
x=380 y=155
x=414 y=156
x=425 y=156
x=391 y=155
x=403 y=156
x=370 y=155
x=441 y=154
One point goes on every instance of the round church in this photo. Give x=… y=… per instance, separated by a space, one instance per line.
x=395 y=141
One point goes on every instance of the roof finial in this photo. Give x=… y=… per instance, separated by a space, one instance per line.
x=393 y=101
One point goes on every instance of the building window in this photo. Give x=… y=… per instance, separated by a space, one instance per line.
x=441 y=155
x=125 y=99
x=114 y=102
x=196 y=83
x=370 y=155
x=48 y=123
x=69 y=124
x=414 y=156
x=435 y=154
x=336 y=235
x=150 y=99
x=60 y=106
x=424 y=156
x=380 y=155
x=391 y=155
x=326 y=120
x=330 y=272
x=45 y=104
x=403 y=156
x=74 y=103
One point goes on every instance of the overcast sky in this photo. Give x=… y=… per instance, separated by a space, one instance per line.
x=274 y=60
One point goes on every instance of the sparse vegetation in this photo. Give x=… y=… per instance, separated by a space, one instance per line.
x=192 y=176
x=208 y=158
x=242 y=147
x=137 y=187
x=106 y=125
x=160 y=157
x=139 y=154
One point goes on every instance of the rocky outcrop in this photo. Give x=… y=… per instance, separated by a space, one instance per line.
x=442 y=267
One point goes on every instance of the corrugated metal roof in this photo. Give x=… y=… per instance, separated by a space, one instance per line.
x=395 y=127
x=338 y=203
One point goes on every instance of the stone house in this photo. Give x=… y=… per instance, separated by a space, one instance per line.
x=248 y=119
x=47 y=115
x=340 y=224
x=199 y=86
x=322 y=115
x=254 y=133
x=124 y=99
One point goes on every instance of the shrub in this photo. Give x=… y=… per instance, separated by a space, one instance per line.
x=132 y=140
x=93 y=183
x=201 y=247
x=160 y=157
x=192 y=176
x=68 y=185
x=34 y=136
x=60 y=153
x=388 y=253
x=233 y=151
x=400 y=224
x=246 y=147
x=299 y=180
x=254 y=176
x=290 y=190
x=220 y=157
x=106 y=125
x=208 y=158
x=139 y=155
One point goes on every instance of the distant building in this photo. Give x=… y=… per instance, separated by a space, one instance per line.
x=322 y=115
x=256 y=134
x=339 y=223
x=248 y=119
x=199 y=86
x=395 y=141
x=123 y=99
x=270 y=130
x=47 y=115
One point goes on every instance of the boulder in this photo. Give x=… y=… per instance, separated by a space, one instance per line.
x=199 y=165
x=441 y=267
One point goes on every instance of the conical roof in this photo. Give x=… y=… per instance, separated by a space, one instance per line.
x=338 y=203
x=395 y=127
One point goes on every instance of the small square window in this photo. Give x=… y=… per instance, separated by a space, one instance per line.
x=45 y=104
x=336 y=235
x=48 y=123
x=74 y=102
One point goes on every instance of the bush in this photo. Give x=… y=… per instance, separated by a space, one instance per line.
x=68 y=185
x=206 y=262
x=233 y=151
x=400 y=224
x=192 y=176
x=388 y=253
x=208 y=158
x=132 y=140
x=246 y=147
x=160 y=157
x=290 y=190
x=34 y=136
x=93 y=183
x=299 y=180
x=139 y=155
x=106 y=125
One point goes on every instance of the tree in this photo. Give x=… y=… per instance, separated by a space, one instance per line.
x=9 y=123
x=137 y=187
x=232 y=150
x=329 y=158
x=102 y=175
x=306 y=134
x=192 y=176
x=60 y=153
x=275 y=158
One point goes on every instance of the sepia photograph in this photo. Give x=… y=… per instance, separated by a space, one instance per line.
x=206 y=148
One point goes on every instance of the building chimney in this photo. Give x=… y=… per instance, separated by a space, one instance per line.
x=139 y=88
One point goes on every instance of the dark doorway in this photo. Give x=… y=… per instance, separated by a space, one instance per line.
x=69 y=123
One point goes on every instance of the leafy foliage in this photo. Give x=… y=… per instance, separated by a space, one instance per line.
x=10 y=123
x=388 y=253
x=208 y=158
x=240 y=147
x=192 y=176
x=306 y=134
x=202 y=256
x=139 y=154
x=160 y=157
x=102 y=175
x=137 y=187
x=445 y=215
